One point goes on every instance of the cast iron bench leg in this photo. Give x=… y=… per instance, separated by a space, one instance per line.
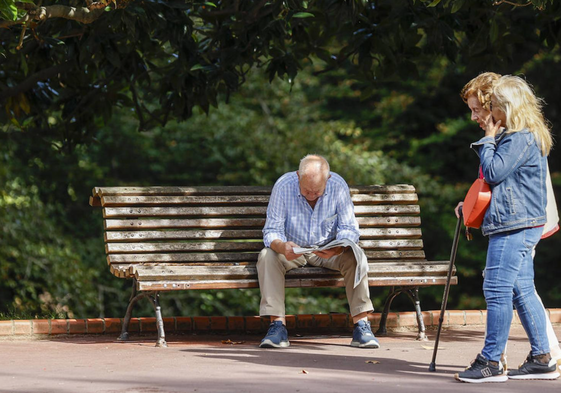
x=155 y=300
x=413 y=294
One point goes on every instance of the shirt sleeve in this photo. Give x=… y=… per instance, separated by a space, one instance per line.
x=276 y=217
x=347 y=225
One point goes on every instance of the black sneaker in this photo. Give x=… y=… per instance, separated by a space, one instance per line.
x=532 y=368
x=277 y=336
x=482 y=371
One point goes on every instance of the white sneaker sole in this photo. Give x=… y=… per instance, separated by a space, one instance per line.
x=370 y=344
x=270 y=344
x=496 y=379
x=546 y=376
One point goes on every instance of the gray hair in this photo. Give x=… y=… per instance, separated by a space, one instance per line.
x=313 y=164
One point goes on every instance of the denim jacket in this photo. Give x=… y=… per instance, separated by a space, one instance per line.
x=513 y=165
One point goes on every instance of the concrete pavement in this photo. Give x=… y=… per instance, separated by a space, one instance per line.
x=234 y=363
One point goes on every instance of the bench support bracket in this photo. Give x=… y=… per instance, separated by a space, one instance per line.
x=154 y=297
x=413 y=294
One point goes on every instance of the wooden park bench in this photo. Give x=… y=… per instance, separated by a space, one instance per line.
x=182 y=238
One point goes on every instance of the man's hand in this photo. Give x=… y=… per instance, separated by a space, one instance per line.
x=457 y=209
x=285 y=248
x=325 y=254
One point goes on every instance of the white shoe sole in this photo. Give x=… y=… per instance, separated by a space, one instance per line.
x=546 y=376
x=370 y=344
x=270 y=344
x=495 y=379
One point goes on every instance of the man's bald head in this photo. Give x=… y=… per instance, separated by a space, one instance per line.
x=313 y=174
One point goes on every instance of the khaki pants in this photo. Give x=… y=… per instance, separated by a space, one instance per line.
x=272 y=267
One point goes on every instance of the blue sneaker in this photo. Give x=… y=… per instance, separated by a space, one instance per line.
x=277 y=336
x=363 y=336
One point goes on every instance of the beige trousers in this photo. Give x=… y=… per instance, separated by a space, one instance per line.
x=272 y=267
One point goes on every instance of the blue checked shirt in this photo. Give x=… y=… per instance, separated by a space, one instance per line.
x=291 y=218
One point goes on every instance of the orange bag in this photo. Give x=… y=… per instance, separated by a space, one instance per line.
x=476 y=203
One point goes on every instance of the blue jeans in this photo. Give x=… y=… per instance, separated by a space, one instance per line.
x=509 y=280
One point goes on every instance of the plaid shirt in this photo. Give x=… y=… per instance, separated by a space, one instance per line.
x=291 y=218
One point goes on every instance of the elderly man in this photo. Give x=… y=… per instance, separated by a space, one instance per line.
x=311 y=206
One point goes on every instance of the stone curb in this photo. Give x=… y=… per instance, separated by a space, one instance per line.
x=318 y=323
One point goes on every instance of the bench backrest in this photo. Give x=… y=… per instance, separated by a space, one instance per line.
x=212 y=236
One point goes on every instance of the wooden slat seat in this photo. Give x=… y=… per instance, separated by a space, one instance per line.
x=180 y=238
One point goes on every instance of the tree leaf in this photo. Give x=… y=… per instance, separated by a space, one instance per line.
x=458 y=4
x=303 y=15
x=8 y=9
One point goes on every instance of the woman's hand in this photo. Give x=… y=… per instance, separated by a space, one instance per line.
x=492 y=128
x=457 y=209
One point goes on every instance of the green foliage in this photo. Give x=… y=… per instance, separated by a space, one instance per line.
x=164 y=60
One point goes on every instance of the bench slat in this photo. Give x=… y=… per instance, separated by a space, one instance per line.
x=112 y=248
x=142 y=200
x=139 y=236
x=113 y=201
x=111 y=212
x=99 y=192
x=187 y=223
x=179 y=256
x=195 y=273
x=290 y=283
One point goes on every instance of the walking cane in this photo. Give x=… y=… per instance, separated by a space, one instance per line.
x=432 y=366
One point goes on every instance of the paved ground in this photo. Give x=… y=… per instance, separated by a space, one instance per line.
x=207 y=364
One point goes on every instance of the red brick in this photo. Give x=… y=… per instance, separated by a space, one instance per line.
x=113 y=325
x=340 y=321
x=59 y=326
x=219 y=323
x=304 y=321
x=290 y=322
x=169 y=324
x=77 y=326
x=148 y=324
x=555 y=315
x=95 y=326
x=41 y=326
x=236 y=324
x=393 y=320
x=427 y=318
x=253 y=324
x=134 y=325
x=407 y=319
x=456 y=318
x=322 y=321
x=374 y=319
x=184 y=324
x=22 y=327
x=474 y=317
x=6 y=328
x=201 y=323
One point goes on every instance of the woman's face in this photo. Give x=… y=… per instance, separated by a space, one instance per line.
x=478 y=113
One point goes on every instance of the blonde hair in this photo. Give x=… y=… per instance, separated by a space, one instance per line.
x=516 y=98
x=481 y=87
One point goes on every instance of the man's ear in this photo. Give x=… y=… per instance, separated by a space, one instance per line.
x=298 y=174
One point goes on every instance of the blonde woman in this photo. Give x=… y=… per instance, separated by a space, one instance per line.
x=513 y=157
x=477 y=95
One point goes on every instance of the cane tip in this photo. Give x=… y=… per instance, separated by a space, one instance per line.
x=432 y=367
